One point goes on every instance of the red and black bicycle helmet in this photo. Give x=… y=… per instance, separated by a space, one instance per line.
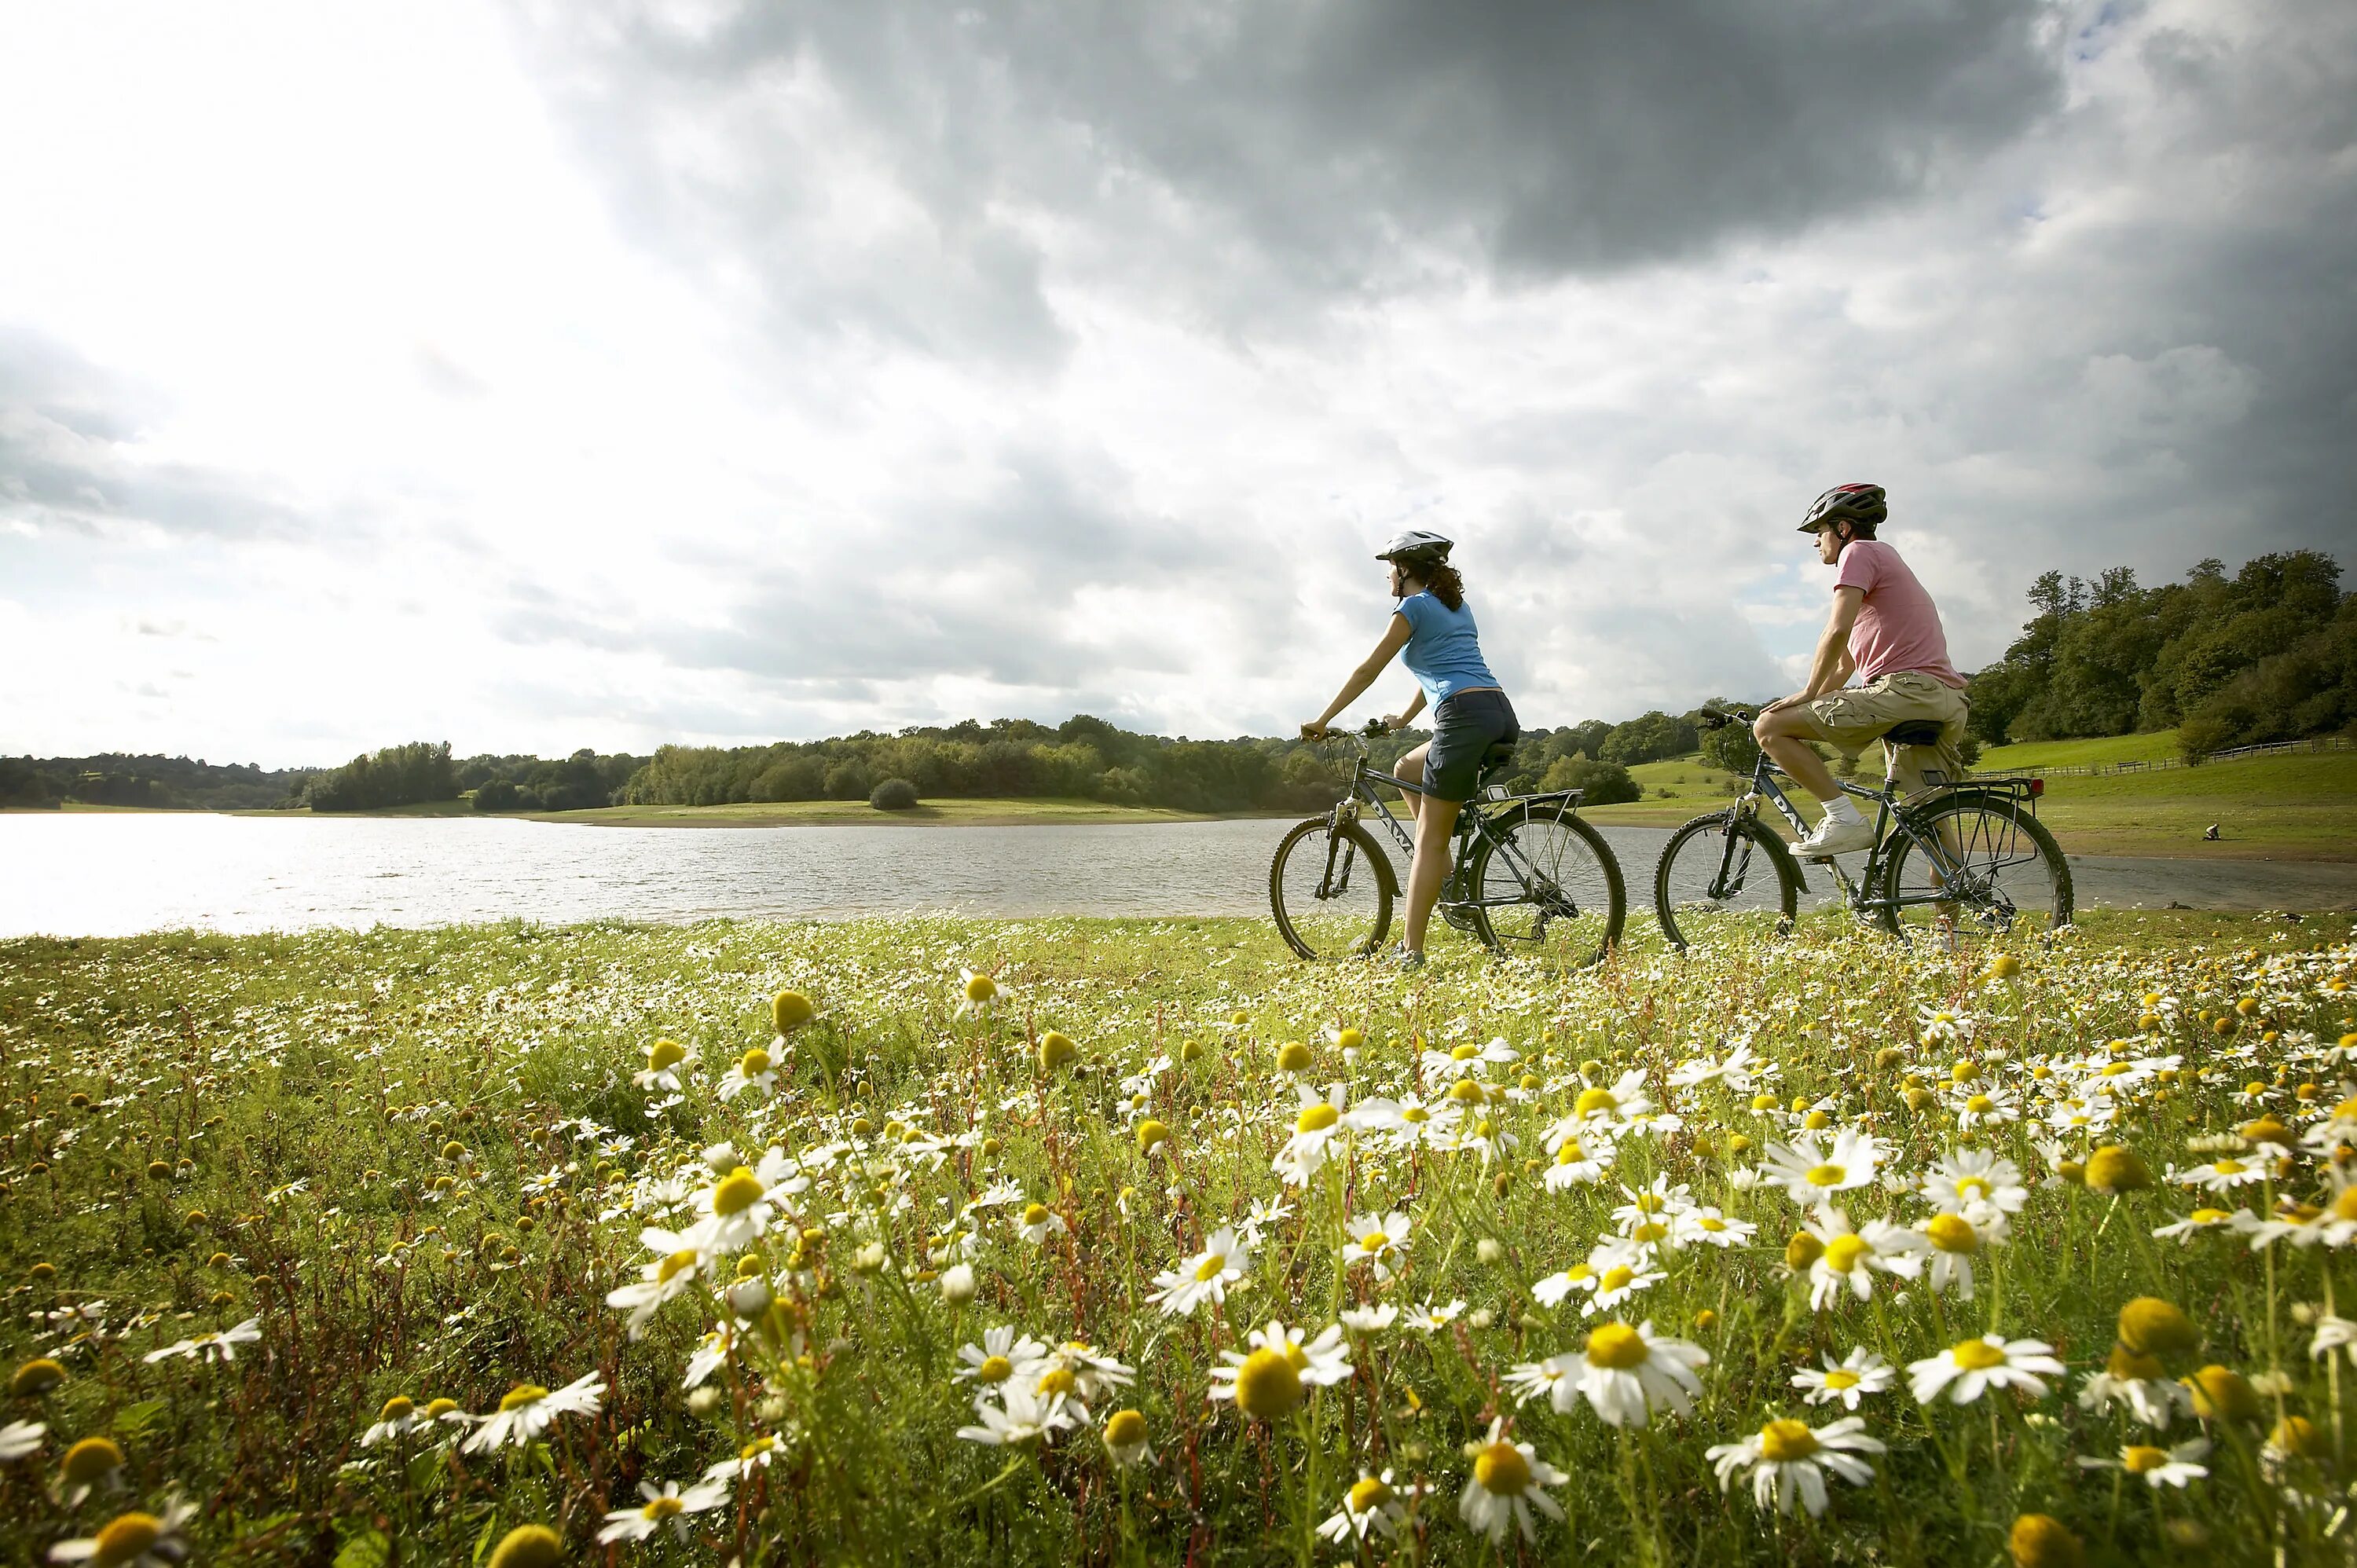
x=1848 y=503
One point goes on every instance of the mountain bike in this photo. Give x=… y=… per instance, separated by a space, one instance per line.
x=1968 y=859
x=1527 y=875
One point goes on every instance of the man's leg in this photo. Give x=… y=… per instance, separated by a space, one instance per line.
x=1784 y=736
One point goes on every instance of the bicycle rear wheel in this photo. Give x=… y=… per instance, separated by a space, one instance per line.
x=2010 y=878
x=1547 y=887
x=1331 y=889
x=1722 y=878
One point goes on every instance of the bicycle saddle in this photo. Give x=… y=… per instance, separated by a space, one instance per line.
x=1914 y=732
x=1501 y=752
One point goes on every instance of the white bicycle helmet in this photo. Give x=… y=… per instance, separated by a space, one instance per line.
x=1416 y=544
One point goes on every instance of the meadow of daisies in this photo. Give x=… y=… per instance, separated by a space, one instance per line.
x=944 y=1240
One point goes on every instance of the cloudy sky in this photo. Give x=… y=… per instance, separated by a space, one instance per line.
x=577 y=373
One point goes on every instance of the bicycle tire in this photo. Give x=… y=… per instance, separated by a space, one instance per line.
x=1993 y=836
x=1685 y=876
x=1350 y=931
x=1574 y=856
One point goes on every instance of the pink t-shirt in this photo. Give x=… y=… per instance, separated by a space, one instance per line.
x=1898 y=627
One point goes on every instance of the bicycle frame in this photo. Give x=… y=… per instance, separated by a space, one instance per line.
x=1476 y=821
x=1889 y=810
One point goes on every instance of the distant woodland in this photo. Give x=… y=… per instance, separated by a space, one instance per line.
x=2266 y=653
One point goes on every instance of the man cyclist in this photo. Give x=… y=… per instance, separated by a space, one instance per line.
x=1886 y=629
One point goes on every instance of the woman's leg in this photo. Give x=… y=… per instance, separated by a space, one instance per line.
x=1436 y=826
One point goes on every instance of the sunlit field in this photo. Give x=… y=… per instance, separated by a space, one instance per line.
x=933 y=1239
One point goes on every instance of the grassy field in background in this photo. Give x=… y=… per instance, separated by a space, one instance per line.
x=390 y=1167
x=2161 y=745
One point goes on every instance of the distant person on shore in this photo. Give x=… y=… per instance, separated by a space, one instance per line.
x=1433 y=629
x=1886 y=629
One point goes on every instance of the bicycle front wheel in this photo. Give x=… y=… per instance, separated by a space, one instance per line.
x=1331 y=889
x=1546 y=884
x=2009 y=878
x=1720 y=877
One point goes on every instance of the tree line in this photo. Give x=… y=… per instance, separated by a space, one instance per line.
x=2267 y=654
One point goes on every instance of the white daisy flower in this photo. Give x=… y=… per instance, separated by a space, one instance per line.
x=1788 y=1459
x=1374 y=1504
x=1967 y=1176
x=1508 y=1480
x=1810 y=1173
x=1207 y=1276
x=1370 y=1319
x=1319 y=1122
x=1001 y=1355
x=1577 y=1161
x=1380 y=1242
x=1601 y=1108
x=1954 y=1239
x=220 y=1347
x=1021 y=1416
x=1968 y=1369
x=1629 y=1373
x=2176 y=1467
x=669 y=1276
x=20 y=1439
x=528 y=1410
x=1856 y=1375
x=756 y=1070
x=1557 y=1379
x=663 y=1505
x=1035 y=1222
x=1706 y=1226
x=1851 y=1258
x=133 y=1540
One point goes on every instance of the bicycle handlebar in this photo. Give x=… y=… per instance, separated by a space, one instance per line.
x=1719 y=718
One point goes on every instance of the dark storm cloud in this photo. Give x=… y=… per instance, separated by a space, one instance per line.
x=69 y=435
x=1311 y=151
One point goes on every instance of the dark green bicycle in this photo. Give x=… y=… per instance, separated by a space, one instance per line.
x=1528 y=875
x=1957 y=862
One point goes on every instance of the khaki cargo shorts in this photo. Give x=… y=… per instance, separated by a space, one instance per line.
x=1849 y=719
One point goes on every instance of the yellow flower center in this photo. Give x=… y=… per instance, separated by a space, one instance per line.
x=92 y=1459
x=1375 y=1240
x=980 y=988
x=1651 y=1231
x=659 y=1509
x=1594 y=1102
x=1416 y=1113
x=1841 y=1378
x=1974 y=1187
x=1369 y=1494
x=1316 y=1118
x=1057 y=1380
x=1502 y=1470
x=1570 y=1154
x=1150 y=1133
x=2345 y=1206
x=1211 y=1267
x=1465 y=1089
x=400 y=1407
x=1463 y=1053
x=1952 y=1233
x=665 y=1053
x=1827 y=1175
x=790 y=1010
x=1782 y=1442
x=674 y=1264
x=736 y=1192
x=126 y=1539
x=1349 y=1039
x=522 y=1394
x=1843 y=1253
x=1267 y=1386
x=2141 y=1458
x=1816 y=1121
x=1616 y=1277
x=755 y=1063
x=437 y=1409
x=1618 y=1347
x=1980 y=1105
x=1978 y=1356
x=1710 y=1222
x=1293 y=1056
x=1036 y=1214
x=994 y=1369
x=1126 y=1429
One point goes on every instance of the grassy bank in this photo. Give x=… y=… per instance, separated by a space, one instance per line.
x=417 y=1163
x=1010 y=811
x=2293 y=808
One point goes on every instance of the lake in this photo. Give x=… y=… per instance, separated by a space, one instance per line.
x=102 y=873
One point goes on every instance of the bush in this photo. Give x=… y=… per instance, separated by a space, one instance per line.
x=1606 y=783
x=893 y=795
x=847 y=781
x=499 y=795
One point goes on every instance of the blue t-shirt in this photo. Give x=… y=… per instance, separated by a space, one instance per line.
x=1444 y=651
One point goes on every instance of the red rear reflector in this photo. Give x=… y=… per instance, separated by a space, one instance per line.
x=2037 y=787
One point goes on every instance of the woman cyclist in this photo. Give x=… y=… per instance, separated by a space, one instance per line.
x=1434 y=630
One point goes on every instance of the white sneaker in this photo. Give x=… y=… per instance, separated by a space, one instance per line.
x=1832 y=837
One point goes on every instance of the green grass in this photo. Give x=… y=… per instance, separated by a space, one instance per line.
x=2159 y=746
x=2297 y=807
x=419 y=1161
